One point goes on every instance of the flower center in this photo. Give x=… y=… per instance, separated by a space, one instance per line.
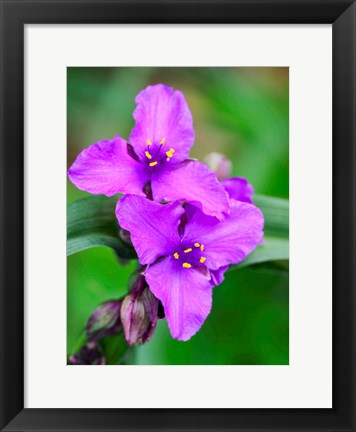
x=190 y=257
x=156 y=155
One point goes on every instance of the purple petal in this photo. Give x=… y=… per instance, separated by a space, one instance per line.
x=186 y=296
x=153 y=226
x=230 y=241
x=239 y=189
x=217 y=276
x=162 y=114
x=192 y=181
x=106 y=168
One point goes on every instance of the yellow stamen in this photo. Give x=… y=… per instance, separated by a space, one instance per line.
x=148 y=142
x=153 y=163
x=170 y=152
x=196 y=244
x=188 y=250
x=148 y=155
x=163 y=140
x=176 y=256
x=186 y=265
x=202 y=247
x=202 y=259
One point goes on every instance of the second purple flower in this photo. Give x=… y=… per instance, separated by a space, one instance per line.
x=187 y=252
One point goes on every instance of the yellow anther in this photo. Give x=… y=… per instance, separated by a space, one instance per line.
x=202 y=259
x=170 y=152
x=186 y=265
x=148 y=142
x=176 y=256
x=196 y=244
x=153 y=163
x=148 y=155
x=202 y=247
x=163 y=140
x=188 y=250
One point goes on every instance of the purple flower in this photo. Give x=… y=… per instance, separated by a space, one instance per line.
x=155 y=161
x=187 y=253
x=238 y=189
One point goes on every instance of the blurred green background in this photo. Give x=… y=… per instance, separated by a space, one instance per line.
x=241 y=112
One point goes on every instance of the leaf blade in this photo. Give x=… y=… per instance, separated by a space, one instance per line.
x=91 y=222
x=273 y=249
x=276 y=214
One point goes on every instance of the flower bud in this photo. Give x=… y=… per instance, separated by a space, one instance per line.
x=105 y=320
x=219 y=164
x=139 y=312
x=89 y=354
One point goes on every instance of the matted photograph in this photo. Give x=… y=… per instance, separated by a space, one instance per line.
x=178 y=216
x=178 y=192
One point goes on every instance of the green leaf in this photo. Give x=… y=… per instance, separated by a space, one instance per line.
x=273 y=249
x=276 y=241
x=280 y=267
x=276 y=214
x=92 y=222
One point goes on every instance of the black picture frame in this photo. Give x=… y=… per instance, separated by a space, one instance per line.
x=14 y=15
